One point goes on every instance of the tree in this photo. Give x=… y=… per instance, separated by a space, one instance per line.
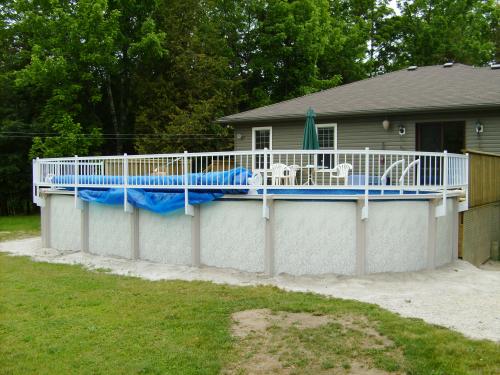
x=69 y=140
x=190 y=86
x=437 y=31
x=287 y=40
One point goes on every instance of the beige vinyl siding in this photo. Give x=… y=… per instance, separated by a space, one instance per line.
x=285 y=136
x=350 y=135
x=489 y=140
x=353 y=135
x=361 y=133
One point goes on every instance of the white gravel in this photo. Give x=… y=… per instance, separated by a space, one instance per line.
x=459 y=296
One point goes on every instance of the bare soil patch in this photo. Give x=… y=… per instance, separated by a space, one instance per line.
x=302 y=343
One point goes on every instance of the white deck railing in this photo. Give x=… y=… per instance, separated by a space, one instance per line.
x=396 y=171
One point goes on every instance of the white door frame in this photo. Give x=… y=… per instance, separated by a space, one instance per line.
x=254 y=130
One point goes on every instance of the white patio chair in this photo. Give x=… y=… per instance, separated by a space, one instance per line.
x=341 y=171
x=293 y=173
x=279 y=172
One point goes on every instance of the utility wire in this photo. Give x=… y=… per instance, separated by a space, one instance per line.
x=108 y=134
x=113 y=137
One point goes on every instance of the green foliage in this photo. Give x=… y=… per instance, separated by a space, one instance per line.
x=289 y=36
x=190 y=86
x=69 y=140
x=433 y=32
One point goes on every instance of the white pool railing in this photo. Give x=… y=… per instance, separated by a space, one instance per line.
x=394 y=172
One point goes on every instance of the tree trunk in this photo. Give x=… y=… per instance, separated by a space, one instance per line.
x=114 y=118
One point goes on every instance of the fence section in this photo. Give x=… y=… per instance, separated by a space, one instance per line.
x=484 y=178
x=304 y=169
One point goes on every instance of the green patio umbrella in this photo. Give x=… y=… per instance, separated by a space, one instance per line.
x=310 y=135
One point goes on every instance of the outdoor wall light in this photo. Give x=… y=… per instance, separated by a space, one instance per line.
x=386 y=124
x=479 y=127
x=239 y=136
x=402 y=130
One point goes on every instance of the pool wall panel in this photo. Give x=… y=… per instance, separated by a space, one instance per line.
x=110 y=231
x=65 y=223
x=396 y=236
x=315 y=237
x=232 y=235
x=165 y=238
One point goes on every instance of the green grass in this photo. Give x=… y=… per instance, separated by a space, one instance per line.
x=62 y=319
x=14 y=227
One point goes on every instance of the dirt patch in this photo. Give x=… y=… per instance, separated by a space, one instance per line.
x=260 y=320
x=301 y=343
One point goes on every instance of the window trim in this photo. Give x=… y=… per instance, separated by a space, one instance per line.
x=331 y=125
x=334 y=126
x=255 y=129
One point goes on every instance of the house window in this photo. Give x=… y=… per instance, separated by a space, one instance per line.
x=262 y=138
x=327 y=137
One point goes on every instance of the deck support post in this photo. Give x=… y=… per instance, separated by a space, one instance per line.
x=456 y=224
x=360 y=239
x=431 y=235
x=45 y=222
x=195 y=237
x=269 y=240
x=188 y=208
x=84 y=227
x=134 y=233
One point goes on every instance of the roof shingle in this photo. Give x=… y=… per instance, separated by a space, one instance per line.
x=426 y=88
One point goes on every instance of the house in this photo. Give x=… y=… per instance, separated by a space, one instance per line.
x=433 y=108
x=451 y=107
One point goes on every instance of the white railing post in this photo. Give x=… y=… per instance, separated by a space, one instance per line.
x=419 y=176
x=364 y=211
x=126 y=206
x=188 y=209
x=265 y=208
x=36 y=181
x=77 y=174
x=441 y=209
x=464 y=206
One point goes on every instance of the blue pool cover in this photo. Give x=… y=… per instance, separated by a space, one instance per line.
x=161 y=202
x=236 y=176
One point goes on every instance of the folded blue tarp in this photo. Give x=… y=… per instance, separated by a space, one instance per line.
x=152 y=199
x=159 y=202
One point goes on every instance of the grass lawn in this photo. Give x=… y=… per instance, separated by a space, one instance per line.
x=62 y=319
x=13 y=227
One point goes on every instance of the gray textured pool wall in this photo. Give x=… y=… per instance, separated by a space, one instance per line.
x=301 y=237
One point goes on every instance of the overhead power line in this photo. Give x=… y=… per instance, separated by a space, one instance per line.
x=109 y=134
x=114 y=137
